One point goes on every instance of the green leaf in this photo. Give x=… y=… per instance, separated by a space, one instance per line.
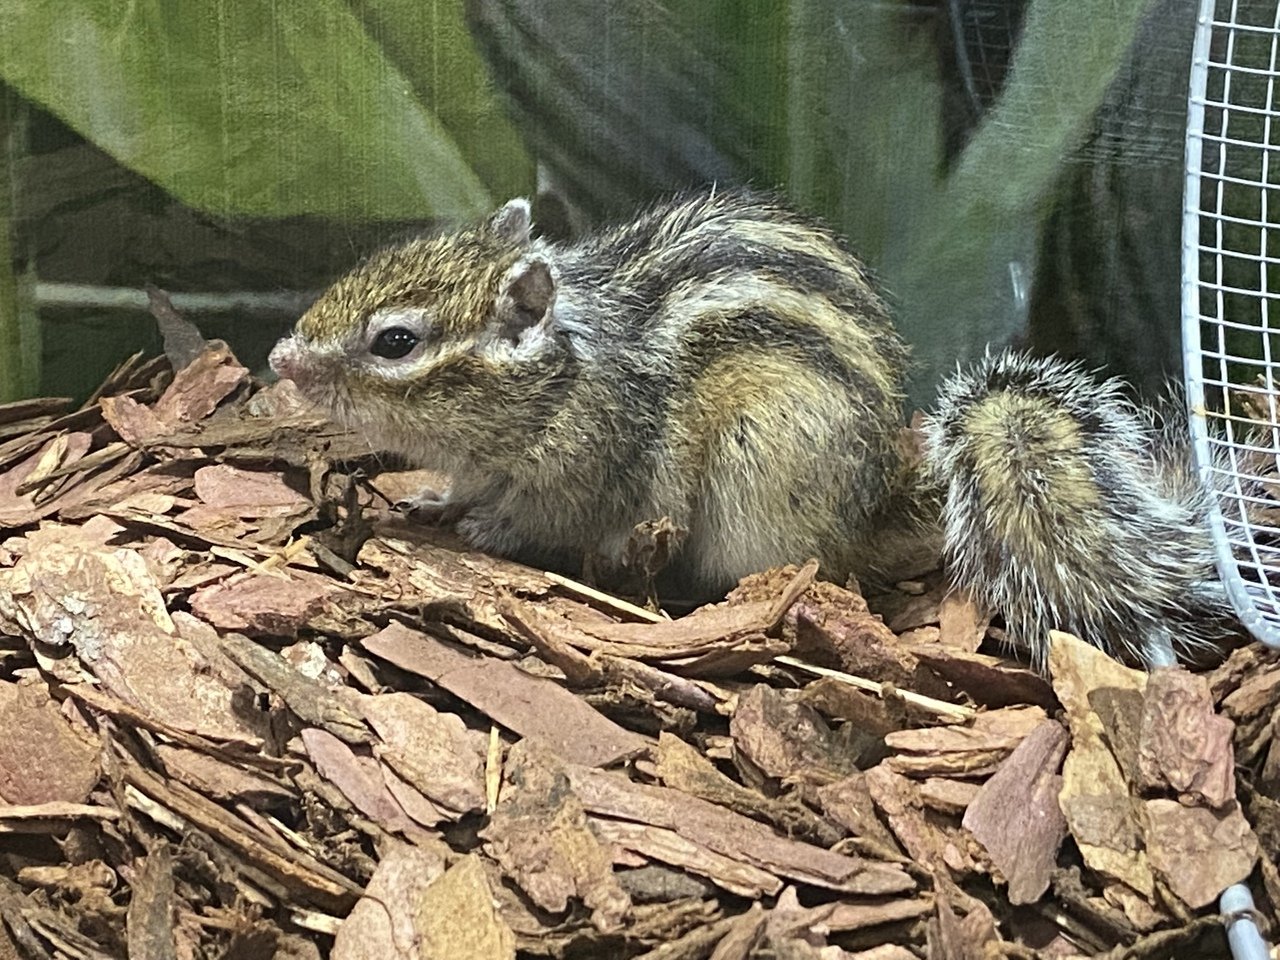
x=430 y=45
x=243 y=107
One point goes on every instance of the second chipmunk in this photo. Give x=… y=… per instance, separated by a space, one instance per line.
x=724 y=362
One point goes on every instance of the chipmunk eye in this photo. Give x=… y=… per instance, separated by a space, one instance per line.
x=394 y=343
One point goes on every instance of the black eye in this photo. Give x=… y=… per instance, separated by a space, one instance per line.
x=394 y=343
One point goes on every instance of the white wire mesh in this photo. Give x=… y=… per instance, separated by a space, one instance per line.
x=1231 y=294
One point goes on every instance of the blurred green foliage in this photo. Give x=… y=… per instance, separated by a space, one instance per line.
x=238 y=107
x=370 y=109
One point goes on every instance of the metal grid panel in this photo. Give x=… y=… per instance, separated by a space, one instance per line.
x=1231 y=294
x=984 y=33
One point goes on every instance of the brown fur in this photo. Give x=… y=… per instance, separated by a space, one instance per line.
x=719 y=361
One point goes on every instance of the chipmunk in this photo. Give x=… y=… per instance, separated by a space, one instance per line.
x=718 y=360
x=725 y=363
x=1068 y=507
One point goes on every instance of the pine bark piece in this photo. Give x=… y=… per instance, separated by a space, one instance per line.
x=992 y=682
x=834 y=628
x=89 y=474
x=358 y=778
x=962 y=625
x=973 y=937
x=666 y=687
x=530 y=706
x=680 y=766
x=336 y=709
x=788 y=740
x=886 y=951
x=1096 y=797
x=72 y=590
x=848 y=802
x=18 y=495
x=134 y=422
x=1016 y=816
x=733 y=835
x=1199 y=852
x=458 y=918
x=937 y=848
x=247 y=493
x=788 y=920
x=270 y=605
x=194 y=393
x=149 y=925
x=951 y=797
x=1256 y=690
x=692 y=944
x=412 y=800
x=386 y=923
x=710 y=641
x=215 y=777
x=432 y=751
x=721 y=639
x=418 y=567
x=198 y=388
x=17 y=411
x=50 y=761
x=1184 y=745
x=539 y=834
x=297 y=873
x=969 y=751
x=872 y=716
x=667 y=846
x=743 y=936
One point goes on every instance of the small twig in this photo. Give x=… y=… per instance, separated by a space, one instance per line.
x=56 y=810
x=315 y=921
x=940 y=707
x=600 y=597
x=493 y=771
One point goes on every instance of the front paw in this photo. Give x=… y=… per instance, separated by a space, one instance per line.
x=487 y=532
x=432 y=506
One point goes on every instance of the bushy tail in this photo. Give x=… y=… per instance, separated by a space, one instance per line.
x=1068 y=507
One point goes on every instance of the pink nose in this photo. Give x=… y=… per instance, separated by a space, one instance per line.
x=287 y=361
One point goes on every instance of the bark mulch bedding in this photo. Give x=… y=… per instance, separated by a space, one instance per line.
x=249 y=710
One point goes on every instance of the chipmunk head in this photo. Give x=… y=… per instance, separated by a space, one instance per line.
x=427 y=339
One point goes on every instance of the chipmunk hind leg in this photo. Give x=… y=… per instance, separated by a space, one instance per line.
x=774 y=468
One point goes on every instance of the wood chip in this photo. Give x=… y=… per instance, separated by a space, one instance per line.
x=51 y=761
x=1185 y=746
x=1218 y=842
x=529 y=706
x=732 y=835
x=787 y=740
x=433 y=751
x=1095 y=791
x=539 y=834
x=1015 y=815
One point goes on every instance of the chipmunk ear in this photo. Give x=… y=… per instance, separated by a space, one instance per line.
x=513 y=221
x=527 y=293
